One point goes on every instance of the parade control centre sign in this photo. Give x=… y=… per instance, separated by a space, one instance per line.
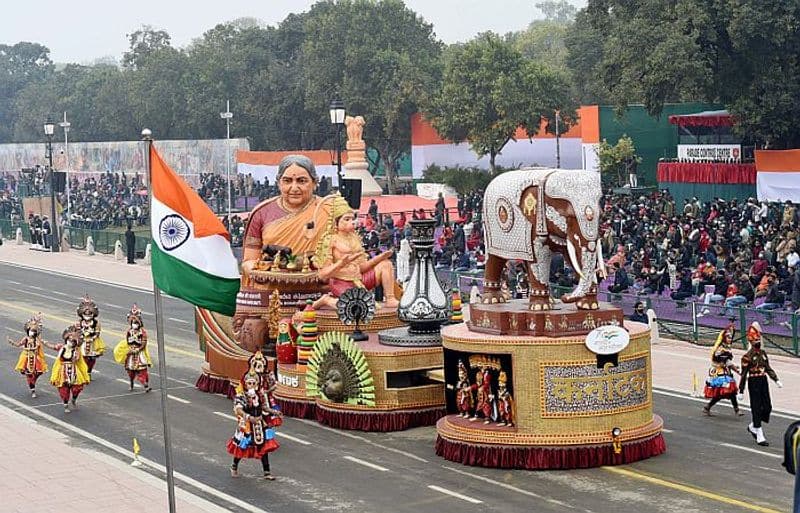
x=718 y=152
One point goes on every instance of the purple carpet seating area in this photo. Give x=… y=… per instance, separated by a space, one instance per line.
x=774 y=322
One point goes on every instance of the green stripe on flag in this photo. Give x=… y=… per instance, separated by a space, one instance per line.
x=199 y=288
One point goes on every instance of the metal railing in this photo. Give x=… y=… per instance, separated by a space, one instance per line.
x=104 y=240
x=676 y=319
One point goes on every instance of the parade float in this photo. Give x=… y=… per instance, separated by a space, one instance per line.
x=339 y=356
x=544 y=383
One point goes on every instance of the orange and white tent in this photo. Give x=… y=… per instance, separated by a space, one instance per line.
x=778 y=175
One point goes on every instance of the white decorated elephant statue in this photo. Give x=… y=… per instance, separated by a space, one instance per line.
x=529 y=214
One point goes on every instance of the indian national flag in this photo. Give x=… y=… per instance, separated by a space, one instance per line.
x=778 y=175
x=192 y=257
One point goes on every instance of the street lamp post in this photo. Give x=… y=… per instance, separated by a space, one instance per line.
x=227 y=116
x=49 y=128
x=65 y=125
x=558 y=140
x=337 y=119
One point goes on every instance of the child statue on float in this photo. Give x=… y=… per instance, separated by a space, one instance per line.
x=344 y=263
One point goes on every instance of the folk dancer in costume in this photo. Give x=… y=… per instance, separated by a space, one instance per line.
x=254 y=436
x=31 y=362
x=755 y=369
x=258 y=365
x=70 y=371
x=720 y=383
x=344 y=263
x=91 y=343
x=132 y=350
x=505 y=402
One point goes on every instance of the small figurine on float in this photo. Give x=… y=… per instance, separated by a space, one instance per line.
x=31 y=362
x=483 y=396
x=132 y=350
x=91 y=344
x=70 y=371
x=344 y=263
x=463 y=387
x=255 y=419
x=755 y=369
x=720 y=383
x=505 y=402
x=285 y=347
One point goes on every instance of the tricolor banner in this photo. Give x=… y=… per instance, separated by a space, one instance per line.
x=778 y=175
x=192 y=257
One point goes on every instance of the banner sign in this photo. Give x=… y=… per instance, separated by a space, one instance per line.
x=719 y=152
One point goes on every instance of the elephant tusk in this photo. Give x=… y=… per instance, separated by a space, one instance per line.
x=601 y=262
x=573 y=259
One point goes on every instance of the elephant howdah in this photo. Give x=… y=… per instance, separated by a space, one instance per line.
x=529 y=214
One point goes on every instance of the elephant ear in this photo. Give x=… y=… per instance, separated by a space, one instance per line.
x=528 y=201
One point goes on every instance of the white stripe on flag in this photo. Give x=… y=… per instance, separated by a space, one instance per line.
x=210 y=254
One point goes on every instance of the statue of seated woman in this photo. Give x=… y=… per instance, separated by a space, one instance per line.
x=344 y=263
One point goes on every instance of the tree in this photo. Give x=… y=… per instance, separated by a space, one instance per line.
x=489 y=91
x=614 y=159
x=142 y=44
x=558 y=11
x=21 y=66
x=741 y=53
x=383 y=60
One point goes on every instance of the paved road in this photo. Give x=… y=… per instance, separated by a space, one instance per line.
x=710 y=464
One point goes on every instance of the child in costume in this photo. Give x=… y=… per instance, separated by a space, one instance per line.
x=254 y=436
x=755 y=369
x=31 y=362
x=132 y=350
x=92 y=345
x=720 y=383
x=70 y=371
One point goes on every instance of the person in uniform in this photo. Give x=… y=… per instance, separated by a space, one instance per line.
x=755 y=369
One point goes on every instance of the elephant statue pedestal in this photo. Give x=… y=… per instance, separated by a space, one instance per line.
x=563 y=319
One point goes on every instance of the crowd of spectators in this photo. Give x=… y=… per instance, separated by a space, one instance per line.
x=108 y=200
x=722 y=253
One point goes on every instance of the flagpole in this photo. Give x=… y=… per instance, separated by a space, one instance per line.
x=162 y=362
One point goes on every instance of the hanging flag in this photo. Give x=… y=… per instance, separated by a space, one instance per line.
x=192 y=257
x=778 y=175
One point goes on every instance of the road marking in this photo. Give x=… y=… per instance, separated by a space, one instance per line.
x=366 y=464
x=180 y=400
x=225 y=415
x=34 y=287
x=112 y=305
x=750 y=449
x=62 y=294
x=689 y=489
x=110 y=332
x=14 y=282
x=14 y=330
x=292 y=438
x=455 y=494
x=507 y=487
x=665 y=430
x=78 y=276
x=361 y=438
x=124 y=381
x=128 y=455
x=783 y=414
x=178 y=320
x=49 y=298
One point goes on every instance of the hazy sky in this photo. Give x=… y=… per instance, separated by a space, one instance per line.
x=84 y=30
